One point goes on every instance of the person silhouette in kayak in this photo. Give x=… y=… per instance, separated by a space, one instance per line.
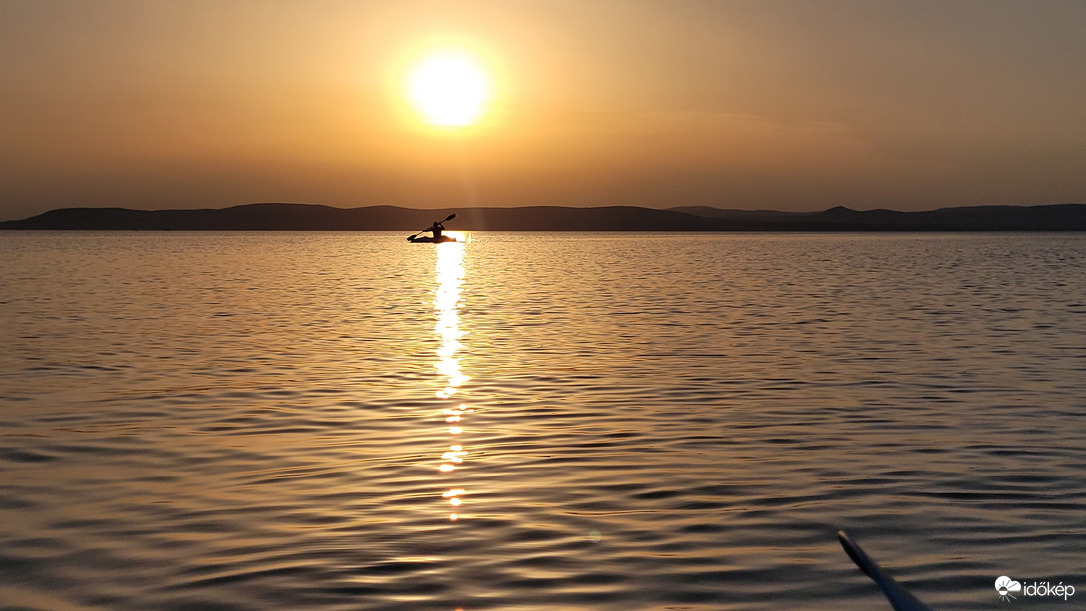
x=436 y=228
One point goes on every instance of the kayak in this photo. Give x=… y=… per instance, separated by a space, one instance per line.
x=430 y=240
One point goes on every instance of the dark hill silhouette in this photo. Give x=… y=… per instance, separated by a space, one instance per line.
x=310 y=217
x=712 y=212
x=1060 y=217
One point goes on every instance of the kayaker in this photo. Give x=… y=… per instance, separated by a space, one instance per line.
x=437 y=228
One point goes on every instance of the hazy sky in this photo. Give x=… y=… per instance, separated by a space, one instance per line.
x=792 y=105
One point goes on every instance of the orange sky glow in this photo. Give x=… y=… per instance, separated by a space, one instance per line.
x=789 y=105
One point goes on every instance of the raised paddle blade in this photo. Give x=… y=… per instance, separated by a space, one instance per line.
x=900 y=598
x=450 y=217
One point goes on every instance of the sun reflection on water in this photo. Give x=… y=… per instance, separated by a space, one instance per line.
x=450 y=274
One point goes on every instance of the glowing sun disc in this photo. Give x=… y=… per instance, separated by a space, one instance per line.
x=448 y=89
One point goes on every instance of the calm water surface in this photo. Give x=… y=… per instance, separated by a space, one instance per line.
x=538 y=421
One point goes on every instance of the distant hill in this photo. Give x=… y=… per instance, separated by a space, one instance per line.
x=311 y=217
x=1057 y=217
x=712 y=212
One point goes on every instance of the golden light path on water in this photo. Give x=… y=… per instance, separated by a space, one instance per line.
x=450 y=274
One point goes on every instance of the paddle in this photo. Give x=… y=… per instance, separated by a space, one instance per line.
x=448 y=218
x=900 y=598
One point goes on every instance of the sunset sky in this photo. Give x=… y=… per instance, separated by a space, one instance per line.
x=789 y=105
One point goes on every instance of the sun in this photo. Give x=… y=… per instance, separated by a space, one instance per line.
x=449 y=89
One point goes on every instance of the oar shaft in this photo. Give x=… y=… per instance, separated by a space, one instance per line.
x=448 y=218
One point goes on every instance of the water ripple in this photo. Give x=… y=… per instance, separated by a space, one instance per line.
x=258 y=421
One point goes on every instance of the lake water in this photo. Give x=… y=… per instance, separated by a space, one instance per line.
x=538 y=421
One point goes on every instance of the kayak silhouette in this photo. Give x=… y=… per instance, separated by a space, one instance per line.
x=436 y=228
x=430 y=240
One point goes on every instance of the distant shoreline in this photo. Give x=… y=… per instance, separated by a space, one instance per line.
x=313 y=217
